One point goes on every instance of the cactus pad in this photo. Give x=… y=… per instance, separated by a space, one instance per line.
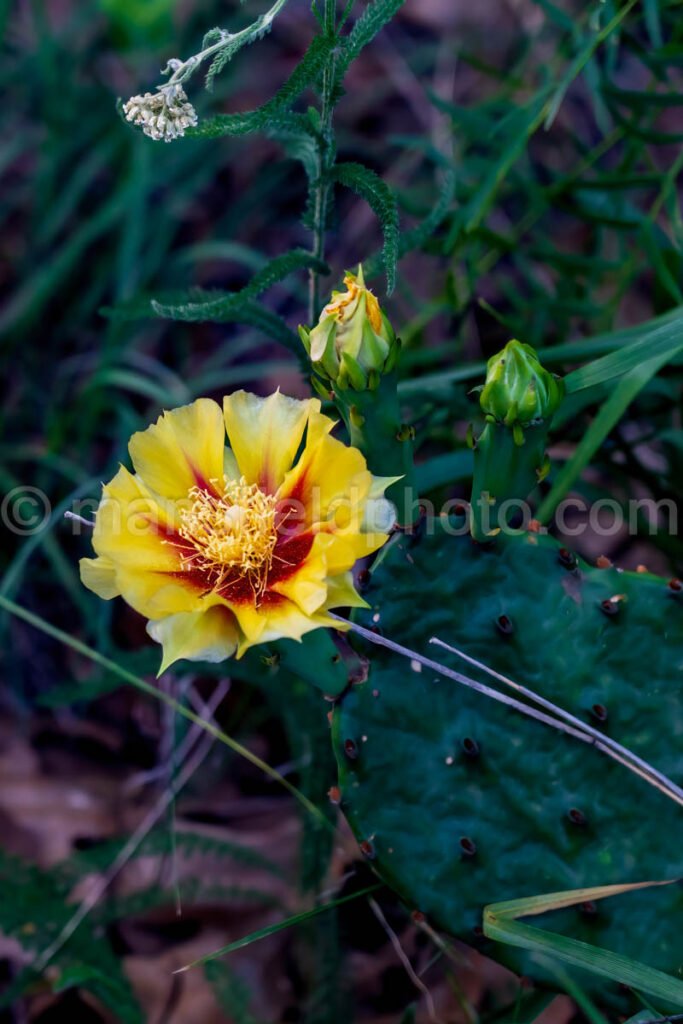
x=460 y=802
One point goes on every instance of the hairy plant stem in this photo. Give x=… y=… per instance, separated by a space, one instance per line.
x=321 y=186
x=182 y=70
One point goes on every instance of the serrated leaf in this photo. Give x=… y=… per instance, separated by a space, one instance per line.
x=305 y=74
x=299 y=139
x=211 y=37
x=237 y=41
x=382 y=201
x=224 y=307
x=372 y=20
x=156 y=843
x=416 y=237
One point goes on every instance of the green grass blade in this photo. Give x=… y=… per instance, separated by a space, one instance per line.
x=272 y=929
x=501 y=924
x=663 y=342
x=609 y=415
x=525 y=122
x=582 y=59
x=574 y=990
x=619 y=345
x=141 y=684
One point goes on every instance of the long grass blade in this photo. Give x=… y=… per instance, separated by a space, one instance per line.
x=607 y=418
x=501 y=924
x=141 y=684
x=279 y=926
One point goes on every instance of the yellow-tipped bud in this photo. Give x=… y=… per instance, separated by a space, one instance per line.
x=353 y=341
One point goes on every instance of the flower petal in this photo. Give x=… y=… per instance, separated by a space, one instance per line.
x=341 y=593
x=132 y=526
x=330 y=481
x=156 y=594
x=183 y=449
x=307 y=585
x=286 y=621
x=251 y=621
x=265 y=434
x=210 y=635
x=348 y=546
x=99 y=575
x=133 y=533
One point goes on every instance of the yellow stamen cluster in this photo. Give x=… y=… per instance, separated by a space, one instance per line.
x=339 y=305
x=231 y=530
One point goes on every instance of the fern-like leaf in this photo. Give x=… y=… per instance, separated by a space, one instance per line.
x=156 y=844
x=299 y=139
x=381 y=199
x=224 y=307
x=418 y=236
x=232 y=992
x=305 y=74
x=34 y=908
x=372 y=20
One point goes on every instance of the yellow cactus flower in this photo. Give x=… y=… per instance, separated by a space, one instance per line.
x=224 y=547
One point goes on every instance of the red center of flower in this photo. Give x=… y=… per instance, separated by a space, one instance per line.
x=238 y=541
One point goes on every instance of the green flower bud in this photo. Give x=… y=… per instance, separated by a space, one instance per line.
x=518 y=391
x=353 y=341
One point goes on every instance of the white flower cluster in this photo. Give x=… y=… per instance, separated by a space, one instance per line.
x=162 y=115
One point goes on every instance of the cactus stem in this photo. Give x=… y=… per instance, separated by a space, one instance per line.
x=579 y=730
x=373 y=420
x=587 y=732
x=363 y=580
